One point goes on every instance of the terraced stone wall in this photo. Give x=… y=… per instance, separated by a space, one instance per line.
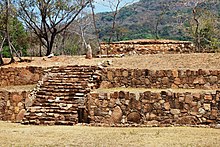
x=59 y=98
x=154 y=109
x=144 y=78
x=12 y=105
x=147 y=47
x=20 y=75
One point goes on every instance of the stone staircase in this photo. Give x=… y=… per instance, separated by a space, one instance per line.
x=60 y=96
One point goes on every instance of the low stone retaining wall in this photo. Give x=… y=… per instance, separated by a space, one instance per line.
x=150 y=108
x=59 y=98
x=144 y=78
x=142 y=47
x=12 y=105
x=20 y=75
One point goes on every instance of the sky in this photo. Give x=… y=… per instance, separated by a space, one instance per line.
x=103 y=5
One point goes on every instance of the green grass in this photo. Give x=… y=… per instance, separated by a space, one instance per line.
x=19 y=135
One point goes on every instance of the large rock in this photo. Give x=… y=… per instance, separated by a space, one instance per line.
x=125 y=73
x=110 y=75
x=105 y=84
x=199 y=80
x=207 y=107
x=177 y=81
x=189 y=120
x=17 y=98
x=175 y=73
x=165 y=81
x=167 y=106
x=175 y=111
x=116 y=115
x=213 y=79
x=20 y=115
x=188 y=99
x=208 y=97
x=134 y=117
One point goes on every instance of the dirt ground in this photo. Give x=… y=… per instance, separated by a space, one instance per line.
x=156 y=61
x=20 y=135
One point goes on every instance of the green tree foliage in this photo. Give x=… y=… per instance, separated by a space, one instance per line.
x=12 y=33
x=18 y=37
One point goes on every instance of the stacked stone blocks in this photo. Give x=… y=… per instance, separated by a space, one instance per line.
x=154 y=108
x=61 y=94
x=145 y=78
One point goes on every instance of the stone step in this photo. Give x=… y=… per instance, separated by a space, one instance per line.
x=66 y=84
x=71 y=75
x=55 y=95
x=69 y=91
x=58 y=98
x=63 y=87
x=55 y=109
x=54 y=70
x=71 y=100
x=61 y=94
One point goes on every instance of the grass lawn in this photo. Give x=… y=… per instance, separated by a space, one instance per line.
x=20 y=135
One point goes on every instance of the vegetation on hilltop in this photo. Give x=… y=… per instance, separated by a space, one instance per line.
x=167 y=19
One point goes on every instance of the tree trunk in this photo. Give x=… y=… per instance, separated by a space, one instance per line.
x=113 y=25
x=1 y=49
x=197 y=35
x=7 y=30
x=95 y=26
x=51 y=42
x=49 y=49
x=40 y=51
x=1 y=60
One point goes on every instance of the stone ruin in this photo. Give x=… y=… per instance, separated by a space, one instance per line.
x=141 y=47
x=60 y=97
x=74 y=94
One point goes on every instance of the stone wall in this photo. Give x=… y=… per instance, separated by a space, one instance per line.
x=144 y=78
x=142 y=47
x=60 y=97
x=20 y=75
x=157 y=109
x=12 y=105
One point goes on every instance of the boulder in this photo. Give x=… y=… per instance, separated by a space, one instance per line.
x=175 y=111
x=134 y=117
x=167 y=106
x=105 y=84
x=187 y=120
x=20 y=115
x=116 y=115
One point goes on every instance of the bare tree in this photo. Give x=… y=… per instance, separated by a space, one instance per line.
x=94 y=22
x=1 y=48
x=204 y=24
x=164 y=9
x=48 y=18
x=114 y=6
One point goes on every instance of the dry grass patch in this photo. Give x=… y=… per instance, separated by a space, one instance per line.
x=19 y=135
x=140 y=90
x=18 y=88
x=151 y=61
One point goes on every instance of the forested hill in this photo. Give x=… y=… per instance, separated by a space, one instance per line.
x=173 y=18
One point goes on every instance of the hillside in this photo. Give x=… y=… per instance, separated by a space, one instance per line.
x=139 y=19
